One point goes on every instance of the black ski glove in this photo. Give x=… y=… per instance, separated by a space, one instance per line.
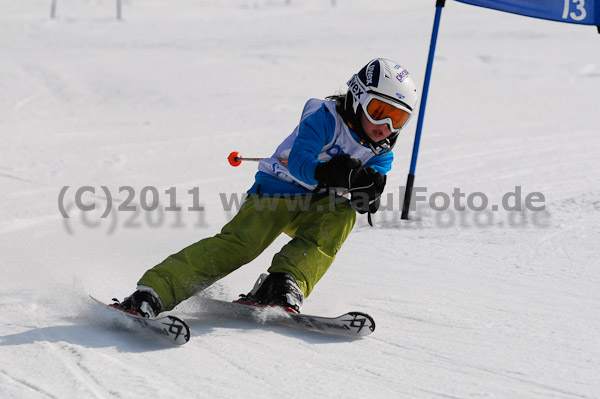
x=339 y=171
x=366 y=190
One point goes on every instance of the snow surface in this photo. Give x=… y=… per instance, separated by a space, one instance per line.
x=468 y=304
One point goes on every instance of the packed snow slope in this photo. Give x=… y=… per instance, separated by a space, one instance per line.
x=469 y=303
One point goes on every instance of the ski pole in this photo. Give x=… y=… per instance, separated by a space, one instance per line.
x=235 y=159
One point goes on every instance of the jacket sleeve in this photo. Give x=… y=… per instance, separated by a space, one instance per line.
x=314 y=132
x=381 y=163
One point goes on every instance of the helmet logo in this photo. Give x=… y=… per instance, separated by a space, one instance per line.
x=400 y=96
x=355 y=88
x=369 y=74
x=402 y=75
x=370 y=70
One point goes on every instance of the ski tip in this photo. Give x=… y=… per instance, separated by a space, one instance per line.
x=179 y=329
x=362 y=323
x=169 y=328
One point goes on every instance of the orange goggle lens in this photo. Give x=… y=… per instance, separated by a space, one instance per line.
x=379 y=110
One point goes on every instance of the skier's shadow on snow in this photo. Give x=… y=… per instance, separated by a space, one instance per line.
x=88 y=334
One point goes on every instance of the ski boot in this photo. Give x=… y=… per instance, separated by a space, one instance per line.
x=141 y=302
x=275 y=289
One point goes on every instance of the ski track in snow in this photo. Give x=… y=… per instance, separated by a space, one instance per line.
x=500 y=304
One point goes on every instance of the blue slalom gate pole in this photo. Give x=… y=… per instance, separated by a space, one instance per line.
x=413 y=163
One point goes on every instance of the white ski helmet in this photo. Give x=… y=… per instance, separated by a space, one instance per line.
x=386 y=93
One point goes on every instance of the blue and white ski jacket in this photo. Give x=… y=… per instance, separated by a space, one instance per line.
x=321 y=135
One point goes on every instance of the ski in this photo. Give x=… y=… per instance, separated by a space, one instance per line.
x=176 y=331
x=168 y=328
x=351 y=324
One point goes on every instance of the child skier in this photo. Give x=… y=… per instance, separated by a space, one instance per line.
x=342 y=145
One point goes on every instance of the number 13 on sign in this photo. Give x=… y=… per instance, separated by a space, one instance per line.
x=579 y=14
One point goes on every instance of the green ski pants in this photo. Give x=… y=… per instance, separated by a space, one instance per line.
x=318 y=226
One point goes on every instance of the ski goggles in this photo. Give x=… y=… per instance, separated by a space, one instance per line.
x=379 y=109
